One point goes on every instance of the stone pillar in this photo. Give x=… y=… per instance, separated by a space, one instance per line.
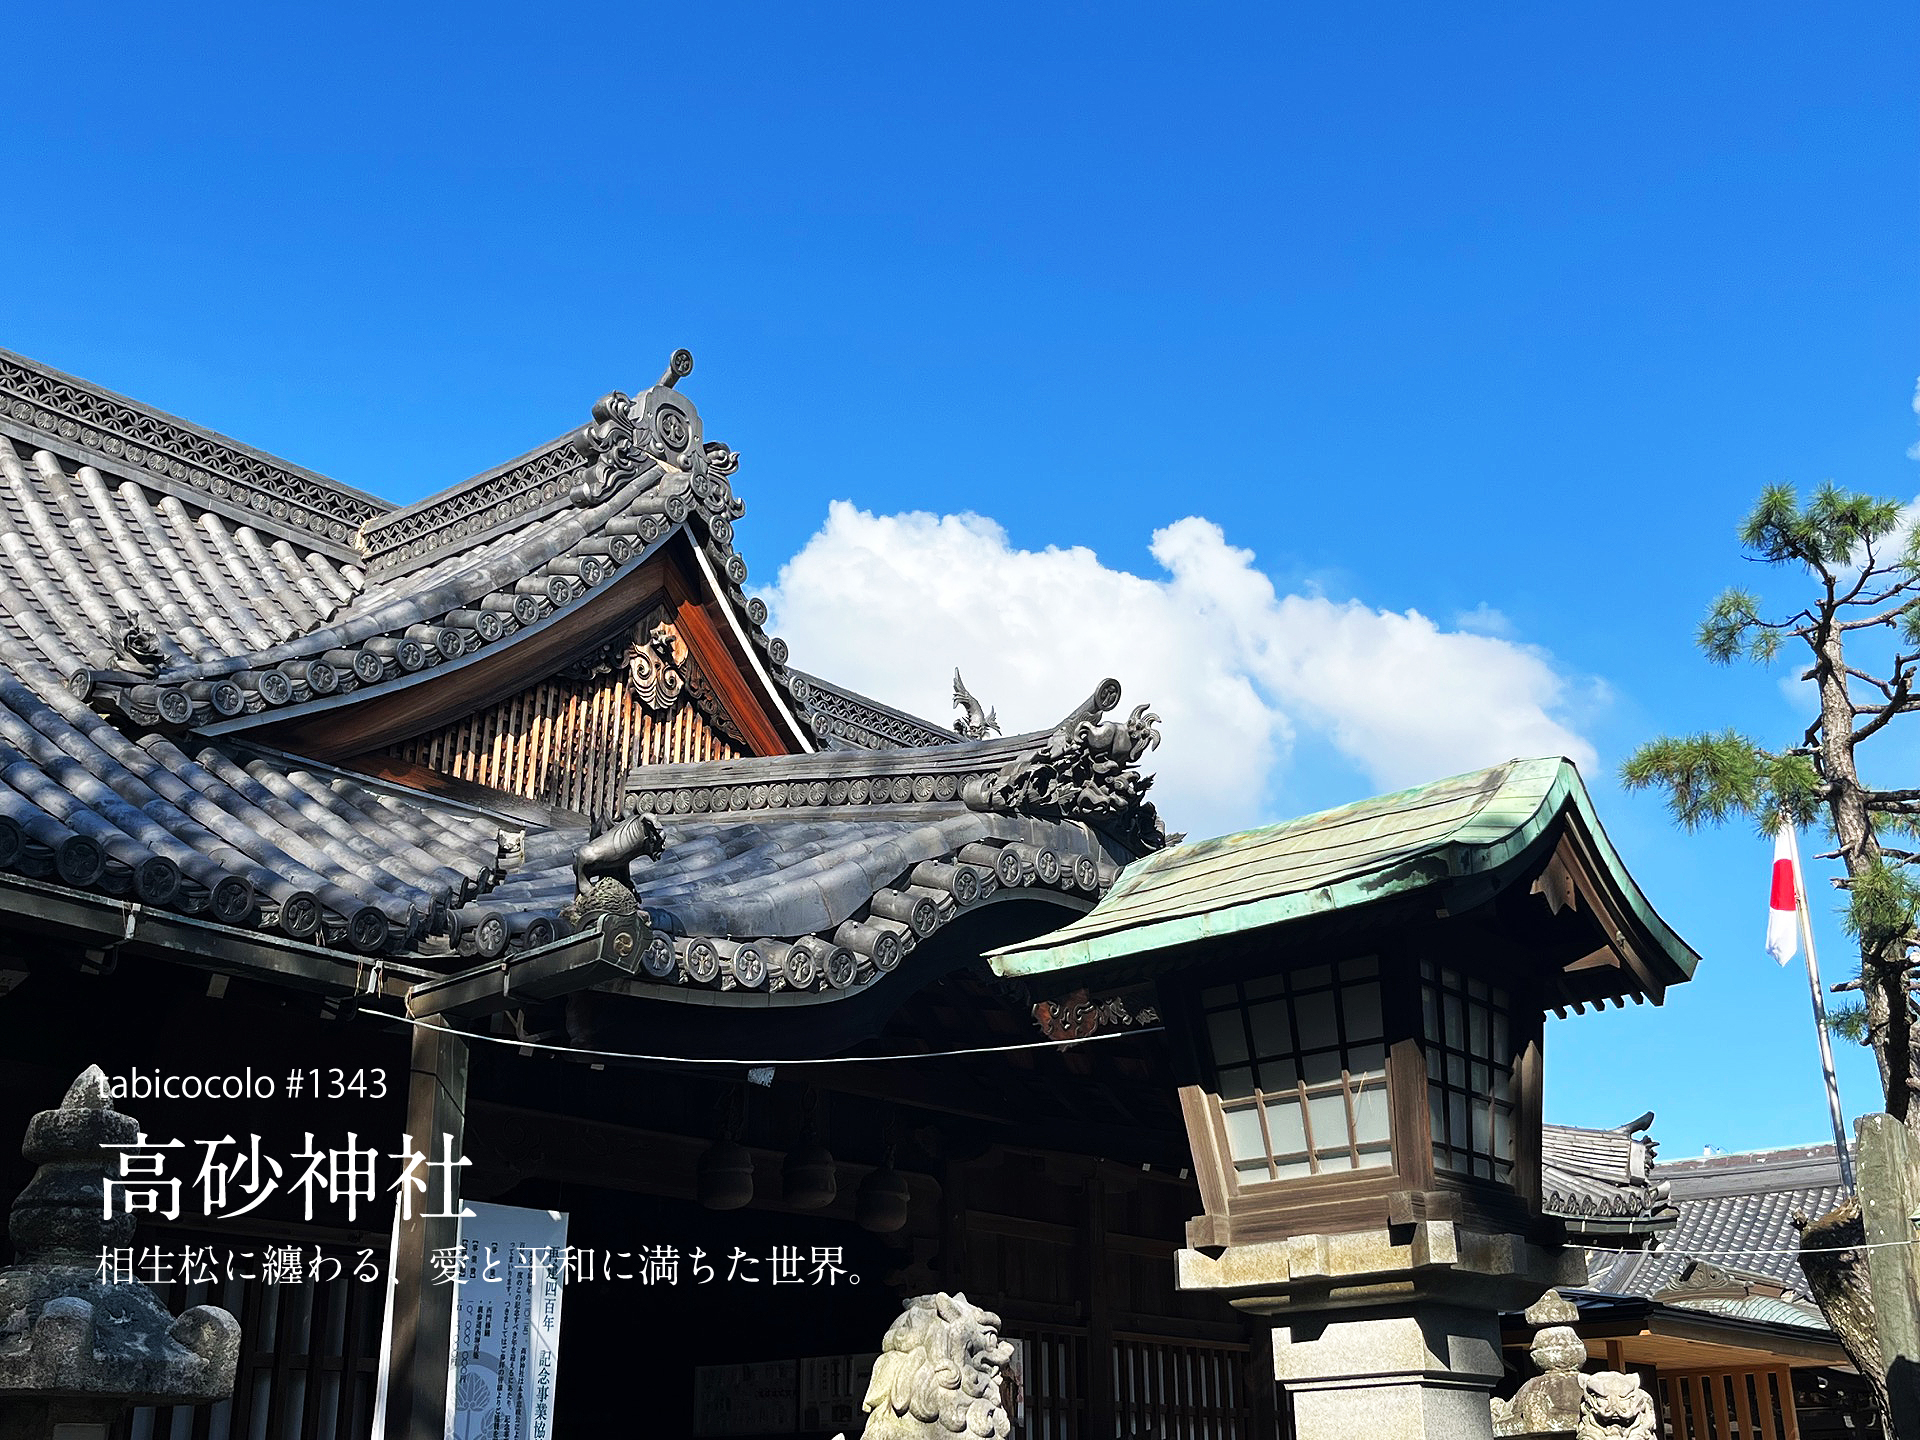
x=422 y=1339
x=1385 y=1334
x=1421 y=1372
x=77 y=1347
x=1887 y=1207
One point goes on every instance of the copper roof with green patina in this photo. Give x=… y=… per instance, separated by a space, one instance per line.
x=1467 y=825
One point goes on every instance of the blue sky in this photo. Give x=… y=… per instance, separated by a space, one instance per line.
x=1501 y=317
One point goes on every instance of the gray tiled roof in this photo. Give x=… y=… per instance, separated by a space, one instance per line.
x=79 y=549
x=1601 y=1179
x=836 y=883
x=41 y=406
x=784 y=876
x=1735 y=1212
x=180 y=823
x=125 y=771
x=235 y=573
x=253 y=627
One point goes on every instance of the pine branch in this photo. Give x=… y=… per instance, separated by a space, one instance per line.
x=1866 y=573
x=1885 y=687
x=1902 y=586
x=1884 y=617
x=1898 y=702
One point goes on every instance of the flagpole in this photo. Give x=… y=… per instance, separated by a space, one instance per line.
x=1820 y=1022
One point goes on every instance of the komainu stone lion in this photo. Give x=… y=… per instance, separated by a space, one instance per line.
x=1614 y=1407
x=938 y=1374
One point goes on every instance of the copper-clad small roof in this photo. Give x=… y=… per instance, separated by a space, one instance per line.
x=1482 y=829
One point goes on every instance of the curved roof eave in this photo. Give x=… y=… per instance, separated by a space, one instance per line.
x=1473 y=825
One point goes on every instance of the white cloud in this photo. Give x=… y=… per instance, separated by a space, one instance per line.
x=1483 y=619
x=1913 y=450
x=1801 y=695
x=889 y=604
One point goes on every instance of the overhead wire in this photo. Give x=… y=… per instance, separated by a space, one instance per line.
x=1692 y=1254
x=756 y=1064
x=582 y=1050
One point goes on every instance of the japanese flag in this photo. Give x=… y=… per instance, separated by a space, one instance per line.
x=1783 y=909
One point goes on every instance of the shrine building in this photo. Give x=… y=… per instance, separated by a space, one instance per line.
x=501 y=816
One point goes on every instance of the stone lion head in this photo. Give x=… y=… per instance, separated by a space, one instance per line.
x=1614 y=1405
x=939 y=1373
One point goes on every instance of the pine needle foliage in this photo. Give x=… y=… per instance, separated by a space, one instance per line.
x=1854 y=562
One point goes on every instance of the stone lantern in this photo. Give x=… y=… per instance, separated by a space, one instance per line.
x=1355 y=1003
x=76 y=1350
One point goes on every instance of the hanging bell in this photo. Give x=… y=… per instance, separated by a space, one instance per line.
x=808 y=1176
x=881 y=1205
x=725 y=1171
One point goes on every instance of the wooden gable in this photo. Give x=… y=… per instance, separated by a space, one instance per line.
x=641 y=698
x=650 y=672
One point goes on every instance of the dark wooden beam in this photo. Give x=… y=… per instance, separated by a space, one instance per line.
x=577 y=963
x=422 y=1338
x=101 y=922
x=511 y=1143
x=1096 y=1269
x=1575 y=853
x=708 y=637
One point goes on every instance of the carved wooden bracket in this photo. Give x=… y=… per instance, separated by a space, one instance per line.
x=1077 y=1015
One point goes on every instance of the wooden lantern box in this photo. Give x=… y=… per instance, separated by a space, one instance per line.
x=1356 y=1000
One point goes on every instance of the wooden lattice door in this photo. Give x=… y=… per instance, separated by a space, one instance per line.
x=1750 y=1404
x=1159 y=1388
x=309 y=1350
x=1054 y=1375
x=1177 y=1390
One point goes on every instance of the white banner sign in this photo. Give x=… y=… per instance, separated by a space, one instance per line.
x=506 y=1324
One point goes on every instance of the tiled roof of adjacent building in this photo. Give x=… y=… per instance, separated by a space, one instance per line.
x=1735 y=1225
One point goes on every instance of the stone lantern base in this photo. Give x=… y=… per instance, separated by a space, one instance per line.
x=76 y=1349
x=1386 y=1334
x=1422 y=1370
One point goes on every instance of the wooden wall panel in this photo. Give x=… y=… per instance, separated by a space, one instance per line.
x=569 y=740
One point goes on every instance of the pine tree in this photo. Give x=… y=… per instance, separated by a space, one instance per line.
x=1858 y=558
